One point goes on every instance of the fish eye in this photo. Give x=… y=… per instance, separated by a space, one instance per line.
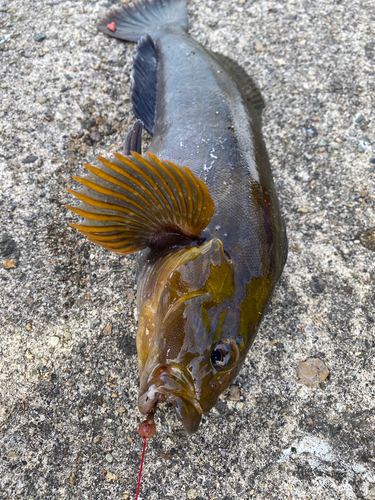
x=221 y=355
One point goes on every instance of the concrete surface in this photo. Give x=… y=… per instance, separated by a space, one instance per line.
x=68 y=368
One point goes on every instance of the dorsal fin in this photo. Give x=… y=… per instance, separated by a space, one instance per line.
x=246 y=85
x=144 y=82
x=134 y=202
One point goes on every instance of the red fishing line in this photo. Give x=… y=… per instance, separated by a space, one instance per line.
x=146 y=430
x=140 y=470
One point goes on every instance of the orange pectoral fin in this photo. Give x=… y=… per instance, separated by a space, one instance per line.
x=139 y=201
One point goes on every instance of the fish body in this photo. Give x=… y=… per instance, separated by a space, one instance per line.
x=200 y=298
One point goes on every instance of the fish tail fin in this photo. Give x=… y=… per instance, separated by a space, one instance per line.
x=142 y=17
x=135 y=202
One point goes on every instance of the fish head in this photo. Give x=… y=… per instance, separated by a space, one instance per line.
x=191 y=358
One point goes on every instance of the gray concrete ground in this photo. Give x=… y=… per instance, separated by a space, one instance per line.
x=68 y=370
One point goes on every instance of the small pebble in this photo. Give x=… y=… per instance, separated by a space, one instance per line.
x=295 y=249
x=29 y=159
x=359 y=119
x=317 y=287
x=54 y=341
x=9 y=264
x=110 y=477
x=30 y=219
x=95 y=323
x=107 y=330
x=6 y=37
x=192 y=493
x=311 y=372
x=109 y=458
x=40 y=37
x=363 y=143
x=95 y=136
x=258 y=46
x=234 y=393
x=367 y=239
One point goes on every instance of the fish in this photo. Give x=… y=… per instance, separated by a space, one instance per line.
x=199 y=208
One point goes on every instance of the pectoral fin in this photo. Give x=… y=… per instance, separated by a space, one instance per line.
x=134 y=202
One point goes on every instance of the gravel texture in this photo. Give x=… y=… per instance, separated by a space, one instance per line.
x=68 y=368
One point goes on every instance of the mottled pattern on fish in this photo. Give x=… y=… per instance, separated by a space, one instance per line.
x=205 y=286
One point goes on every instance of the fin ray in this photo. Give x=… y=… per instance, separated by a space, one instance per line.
x=98 y=188
x=147 y=202
x=129 y=216
x=143 y=184
x=136 y=192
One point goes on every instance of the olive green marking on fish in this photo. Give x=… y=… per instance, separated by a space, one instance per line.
x=153 y=202
x=163 y=273
x=220 y=286
x=177 y=280
x=220 y=327
x=258 y=292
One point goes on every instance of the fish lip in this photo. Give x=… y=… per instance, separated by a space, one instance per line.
x=177 y=385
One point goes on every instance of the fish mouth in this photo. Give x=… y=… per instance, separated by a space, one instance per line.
x=176 y=384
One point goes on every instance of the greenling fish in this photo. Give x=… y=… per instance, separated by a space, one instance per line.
x=210 y=237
